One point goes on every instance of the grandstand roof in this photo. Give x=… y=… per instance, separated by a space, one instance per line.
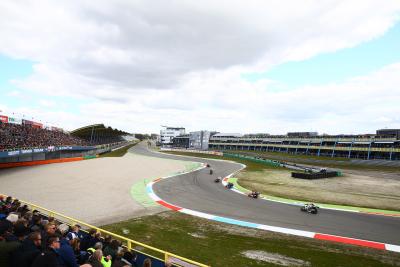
x=87 y=131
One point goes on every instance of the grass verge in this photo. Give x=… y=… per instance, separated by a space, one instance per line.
x=341 y=163
x=250 y=165
x=219 y=244
x=118 y=152
x=348 y=190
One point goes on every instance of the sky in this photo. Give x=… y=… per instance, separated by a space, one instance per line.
x=231 y=66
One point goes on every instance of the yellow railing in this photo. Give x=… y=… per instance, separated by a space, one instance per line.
x=129 y=242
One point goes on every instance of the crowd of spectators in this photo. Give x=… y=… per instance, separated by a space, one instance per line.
x=25 y=136
x=30 y=239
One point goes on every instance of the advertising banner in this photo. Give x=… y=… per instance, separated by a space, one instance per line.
x=44 y=150
x=14 y=120
x=37 y=125
x=3 y=119
x=27 y=122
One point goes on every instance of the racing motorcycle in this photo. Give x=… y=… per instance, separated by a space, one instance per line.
x=253 y=194
x=229 y=185
x=217 y=180
x=310 y=208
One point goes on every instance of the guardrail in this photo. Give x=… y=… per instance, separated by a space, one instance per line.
x=176 y=260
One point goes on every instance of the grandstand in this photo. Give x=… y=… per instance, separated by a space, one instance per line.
x=24 y=142
x=22 y=136
x=98 y=134
x=368 y=147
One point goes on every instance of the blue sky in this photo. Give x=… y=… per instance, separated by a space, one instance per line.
x=14 y=97
x=338 y=66
x=143 y=66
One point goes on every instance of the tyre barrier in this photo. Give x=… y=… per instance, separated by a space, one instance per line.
x=311 y=176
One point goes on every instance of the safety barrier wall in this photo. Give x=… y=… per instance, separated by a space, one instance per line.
x=37 y=162
x=269 y=162
x=158 y=256
x=45 y=156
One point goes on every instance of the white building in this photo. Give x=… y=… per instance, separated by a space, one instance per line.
x=168 y=133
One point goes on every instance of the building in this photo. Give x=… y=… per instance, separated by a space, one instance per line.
x=389 y=132
x=199 y=140
x=365 y=146
x=302 y=134
x=169 y=133
x=181 y=141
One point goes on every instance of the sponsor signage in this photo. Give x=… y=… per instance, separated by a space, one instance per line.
x=14 y=120
x=44 y=150
x=27 y=122
x=37 y=125
x=3 y=119
x=13 y=153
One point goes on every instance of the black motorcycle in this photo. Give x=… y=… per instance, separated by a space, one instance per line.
x=310 y=208
x=229 y=185
x=217 y=180
x=211 y=171
x=253 y=194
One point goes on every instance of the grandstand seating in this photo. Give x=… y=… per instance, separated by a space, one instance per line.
x=14 y=136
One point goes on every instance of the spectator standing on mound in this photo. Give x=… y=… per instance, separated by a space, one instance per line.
x=49 y=258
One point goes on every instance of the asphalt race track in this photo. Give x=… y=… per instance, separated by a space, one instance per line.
x=198 y=191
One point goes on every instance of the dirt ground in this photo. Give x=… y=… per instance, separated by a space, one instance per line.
x=96 y=191
x=379 y=190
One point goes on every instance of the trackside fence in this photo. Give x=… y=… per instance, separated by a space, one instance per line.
x=268 y=162
x=158 y=256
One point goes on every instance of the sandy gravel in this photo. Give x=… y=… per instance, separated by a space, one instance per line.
x=95 y=191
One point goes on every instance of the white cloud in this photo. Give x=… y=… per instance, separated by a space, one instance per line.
x=140 y=64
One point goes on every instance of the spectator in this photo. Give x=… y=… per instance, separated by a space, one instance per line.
x=22 y=136
x=95 y=259
x=28 y=251
x=49 y=231
x=89 y=240
x=6 y=248
x=48 y=258
x=130 y=257
x=112 y=249
x=73 y=233
x=147 y=263
x=75 y=244
x=66 y=253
